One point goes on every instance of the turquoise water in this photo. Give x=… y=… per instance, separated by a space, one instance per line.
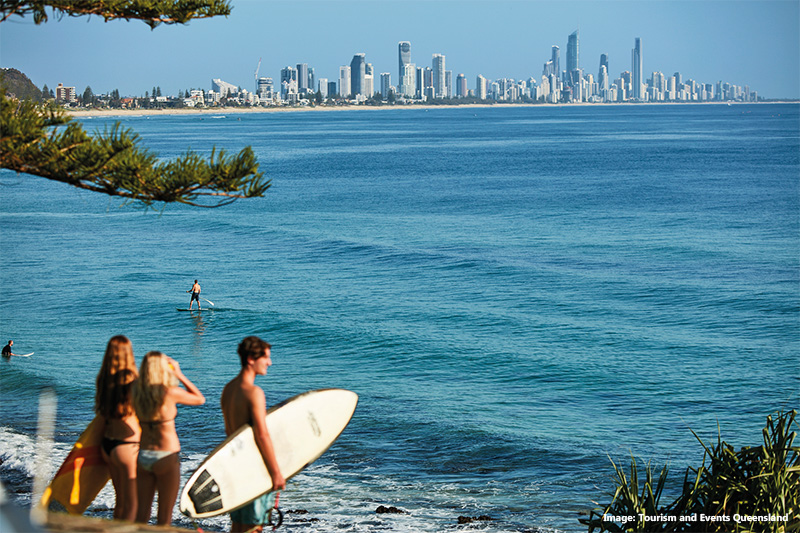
x=515 y=293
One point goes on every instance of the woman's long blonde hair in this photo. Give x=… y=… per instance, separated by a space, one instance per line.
x=155 y=377
x=113 y=398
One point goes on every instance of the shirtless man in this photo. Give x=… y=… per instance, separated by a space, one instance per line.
x=195 y=290
x=243 y=402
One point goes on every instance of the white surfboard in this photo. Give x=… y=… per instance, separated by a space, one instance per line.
x=302 y=428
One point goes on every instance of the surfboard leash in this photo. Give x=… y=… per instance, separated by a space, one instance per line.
x=275 y=510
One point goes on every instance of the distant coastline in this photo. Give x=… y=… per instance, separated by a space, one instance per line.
x=86 y=113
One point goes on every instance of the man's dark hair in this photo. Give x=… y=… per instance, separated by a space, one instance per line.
x=252 y=348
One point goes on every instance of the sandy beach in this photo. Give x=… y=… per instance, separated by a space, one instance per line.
x=247 y=110
x=288 y=109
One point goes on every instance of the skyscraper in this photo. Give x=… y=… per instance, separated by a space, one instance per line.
x=637 y=69
x=386 y=84
x=344 y=81
x=480 y=87
x=572 y=56
x=407 y=85
x=358 y=72
x=439 y=87
x=556 y=59
x=403 y=56
x=302 y=77
x=603 y=63
x=461 y=86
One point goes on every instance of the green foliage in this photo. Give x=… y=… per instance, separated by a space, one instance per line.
x=41 y=140
x=755 y=481
x=151 y=12
x=19 y=85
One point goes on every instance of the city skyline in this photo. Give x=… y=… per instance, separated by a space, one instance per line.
x=755 y=44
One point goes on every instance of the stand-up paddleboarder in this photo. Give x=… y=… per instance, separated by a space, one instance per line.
x=195 y=290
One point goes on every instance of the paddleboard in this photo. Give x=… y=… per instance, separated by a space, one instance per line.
x=302 y=428
x=82 y=476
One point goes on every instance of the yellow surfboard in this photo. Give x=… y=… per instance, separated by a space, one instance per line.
x=82 y=476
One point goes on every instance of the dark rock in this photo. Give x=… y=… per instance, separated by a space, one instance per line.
x=471 y=519
x=382 y=509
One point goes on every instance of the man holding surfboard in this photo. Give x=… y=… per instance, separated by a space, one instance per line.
x=7 y=353
x=243 y=402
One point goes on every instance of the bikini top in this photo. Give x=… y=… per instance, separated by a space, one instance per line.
x=156 y=422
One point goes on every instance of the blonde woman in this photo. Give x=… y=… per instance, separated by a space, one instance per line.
x=113 y=402
x=156 y=398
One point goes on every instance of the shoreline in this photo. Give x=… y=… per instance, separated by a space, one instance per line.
x=91 y=113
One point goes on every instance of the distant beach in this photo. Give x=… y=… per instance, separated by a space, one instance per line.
x=283 y=109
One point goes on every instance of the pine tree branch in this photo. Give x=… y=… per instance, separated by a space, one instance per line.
x=151 y=12
x=42 y=141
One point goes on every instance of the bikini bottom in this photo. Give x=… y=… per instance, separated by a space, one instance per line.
x=109 y=444
x=147 y=458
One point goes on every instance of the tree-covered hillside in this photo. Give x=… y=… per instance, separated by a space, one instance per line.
x=18 y=85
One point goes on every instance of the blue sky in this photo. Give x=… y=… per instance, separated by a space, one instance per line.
x=754 y=42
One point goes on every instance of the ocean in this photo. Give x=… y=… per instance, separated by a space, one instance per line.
x=518 y=295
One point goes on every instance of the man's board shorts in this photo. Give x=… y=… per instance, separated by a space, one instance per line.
x=196 y=296
x=255 y=512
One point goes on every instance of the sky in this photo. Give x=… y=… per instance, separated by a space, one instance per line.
x=752 y=42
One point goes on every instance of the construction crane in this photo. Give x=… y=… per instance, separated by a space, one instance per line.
x=256 y=76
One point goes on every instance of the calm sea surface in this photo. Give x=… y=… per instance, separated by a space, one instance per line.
x=515 y=293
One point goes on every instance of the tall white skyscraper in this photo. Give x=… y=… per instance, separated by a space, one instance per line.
x=481 y=86
x=408 y=83
x=439 y=82
x=344 y=81
x=637 y=70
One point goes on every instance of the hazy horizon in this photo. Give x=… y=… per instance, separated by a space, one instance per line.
x=753 y=43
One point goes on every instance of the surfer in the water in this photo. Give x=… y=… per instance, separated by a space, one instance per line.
x=243 y=402
x=195 y=290
x=7 y=353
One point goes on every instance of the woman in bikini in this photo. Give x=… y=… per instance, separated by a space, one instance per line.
x=156 y=396
x=114 y=404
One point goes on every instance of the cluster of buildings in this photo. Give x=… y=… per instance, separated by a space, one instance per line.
x=566 y=82
x=559 y=83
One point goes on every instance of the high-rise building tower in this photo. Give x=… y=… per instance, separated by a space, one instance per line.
x=461 y=86
x=302 y=77
x=386 y=84
x=572 y=56
x=556 y=59
x=408 y=82
x=403 y=56
x=344 y=81
x=439 y=84
x=358 y=73
x=637 y=69
x=481 y=87
x=603 y=63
